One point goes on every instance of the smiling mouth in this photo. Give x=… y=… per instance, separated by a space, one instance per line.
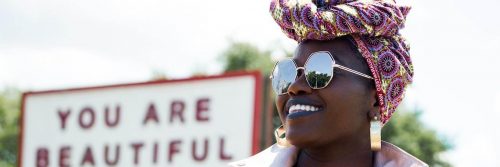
x=300 y=110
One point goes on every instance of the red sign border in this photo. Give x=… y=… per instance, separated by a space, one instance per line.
x=257 y=101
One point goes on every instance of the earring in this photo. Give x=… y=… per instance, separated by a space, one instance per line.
x=375 y=130
x=280 y=136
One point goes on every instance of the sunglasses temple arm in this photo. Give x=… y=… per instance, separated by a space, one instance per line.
x=352 y=71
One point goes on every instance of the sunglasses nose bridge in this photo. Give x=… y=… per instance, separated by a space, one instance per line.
x=300 y=85
x=300 y=72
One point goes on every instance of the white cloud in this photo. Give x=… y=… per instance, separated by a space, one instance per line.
x=52 y=68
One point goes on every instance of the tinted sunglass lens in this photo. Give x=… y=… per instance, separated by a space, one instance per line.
x=283 y=76
x=319 y=70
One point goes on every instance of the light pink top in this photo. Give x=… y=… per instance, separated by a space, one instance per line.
x=277 y=156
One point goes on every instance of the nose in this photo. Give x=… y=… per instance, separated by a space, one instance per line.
x=300 y=86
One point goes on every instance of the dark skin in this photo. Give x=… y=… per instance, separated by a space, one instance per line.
x=337 y=135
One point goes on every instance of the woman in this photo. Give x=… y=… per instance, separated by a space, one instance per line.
x=346 y=78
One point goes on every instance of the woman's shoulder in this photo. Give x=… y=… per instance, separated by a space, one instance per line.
x=391 y=155
x=278 y=156
x=274 y=156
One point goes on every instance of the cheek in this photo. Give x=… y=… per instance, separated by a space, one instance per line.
x=345 y=115
x=280 y=103
x=348 y=92
x=347 y=103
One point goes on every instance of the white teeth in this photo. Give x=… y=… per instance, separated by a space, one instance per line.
x=301 y=107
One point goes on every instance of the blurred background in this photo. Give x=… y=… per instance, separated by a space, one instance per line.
x=449 y=117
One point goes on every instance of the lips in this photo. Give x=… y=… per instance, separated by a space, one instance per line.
x=301 y=107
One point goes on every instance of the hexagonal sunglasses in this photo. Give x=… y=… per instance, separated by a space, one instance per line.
x=318 y=69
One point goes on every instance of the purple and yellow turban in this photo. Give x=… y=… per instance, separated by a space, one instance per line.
x=374 y=26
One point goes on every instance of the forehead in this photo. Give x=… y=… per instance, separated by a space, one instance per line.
x=340 y=49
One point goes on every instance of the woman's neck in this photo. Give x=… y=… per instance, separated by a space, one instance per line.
x=352 y=153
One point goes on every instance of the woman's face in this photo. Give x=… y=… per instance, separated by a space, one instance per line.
x=345 y=102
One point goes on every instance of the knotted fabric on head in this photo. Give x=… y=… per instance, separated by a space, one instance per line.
x=374 y=26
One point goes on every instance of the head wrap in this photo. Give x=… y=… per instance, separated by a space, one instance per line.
x=374 y=26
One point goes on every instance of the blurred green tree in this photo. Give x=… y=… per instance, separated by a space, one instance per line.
x=244 y=56
x=9 y=126
x=407 y=132
x=404 y=130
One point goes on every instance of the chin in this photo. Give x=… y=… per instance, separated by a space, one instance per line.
x=303 y=144
x=301 y=141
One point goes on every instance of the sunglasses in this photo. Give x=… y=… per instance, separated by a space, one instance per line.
x=318 y=69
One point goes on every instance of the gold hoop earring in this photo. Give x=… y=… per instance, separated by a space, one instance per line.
x=375 y=131
x=280 y=135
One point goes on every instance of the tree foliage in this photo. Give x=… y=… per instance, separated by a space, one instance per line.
x=244 y=56
x=9 y=126
x=407 y=132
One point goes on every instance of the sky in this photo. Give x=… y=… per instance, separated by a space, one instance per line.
x=54 y=44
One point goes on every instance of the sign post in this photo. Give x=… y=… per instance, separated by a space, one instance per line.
x=205 y=121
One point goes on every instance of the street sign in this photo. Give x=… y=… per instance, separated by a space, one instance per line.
x=203 y=121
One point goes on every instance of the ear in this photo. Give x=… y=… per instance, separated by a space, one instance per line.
x=374 y=108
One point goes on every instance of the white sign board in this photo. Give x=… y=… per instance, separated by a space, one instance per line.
x=207 y=121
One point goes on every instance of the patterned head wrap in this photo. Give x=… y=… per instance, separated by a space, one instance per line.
x=374 y=26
